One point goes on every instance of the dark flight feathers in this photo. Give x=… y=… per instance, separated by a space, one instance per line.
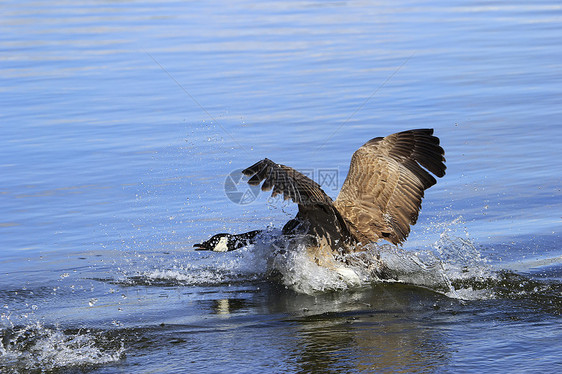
x=287 y=181
x=381 y=196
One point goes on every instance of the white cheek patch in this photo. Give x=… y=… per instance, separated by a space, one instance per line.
x=221 y=245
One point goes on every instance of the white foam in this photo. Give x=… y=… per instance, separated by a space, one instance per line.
x=451 y=258
x=349 y=276
x=185 y=276
x=207 y=268
x=300 y=273
x=35 y=347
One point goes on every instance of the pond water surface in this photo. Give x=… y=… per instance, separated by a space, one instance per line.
x=121 y=122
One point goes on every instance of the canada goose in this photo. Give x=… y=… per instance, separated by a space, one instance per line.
x=380 y=198
x=227 y=242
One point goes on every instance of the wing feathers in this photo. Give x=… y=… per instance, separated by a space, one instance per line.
x=381 y=196
x=315 y=207
x=286 y=181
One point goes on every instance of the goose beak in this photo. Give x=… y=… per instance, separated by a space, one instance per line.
x=200 y=247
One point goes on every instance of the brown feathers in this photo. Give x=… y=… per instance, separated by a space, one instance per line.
x=287 y=181
x=381 y=196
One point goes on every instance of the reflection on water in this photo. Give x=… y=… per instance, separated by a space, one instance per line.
x=229 y=306
x=379 y=329
x=384 y=331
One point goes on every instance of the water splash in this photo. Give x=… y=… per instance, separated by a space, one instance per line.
x=452 y=266
x=296 y=270
x=435 y=268
x=289 y=263
x=199 y=269
x=38 y=348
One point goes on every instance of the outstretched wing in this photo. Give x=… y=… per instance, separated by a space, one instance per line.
x=287 y=181
x=316 y=209
x=381 y=196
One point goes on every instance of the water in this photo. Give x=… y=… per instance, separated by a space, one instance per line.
x=122 y=120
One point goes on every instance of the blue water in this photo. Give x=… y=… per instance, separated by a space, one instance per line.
x=120 y=122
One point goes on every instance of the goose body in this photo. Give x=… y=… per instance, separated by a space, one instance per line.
x=380 y=197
